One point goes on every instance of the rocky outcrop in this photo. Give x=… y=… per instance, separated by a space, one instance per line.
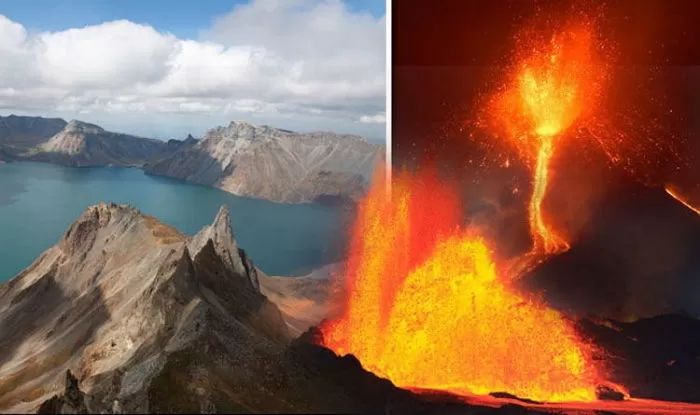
x=123 y=301
x=275 y=164
x=82 y=144
x=18 y=133
x=224 y=245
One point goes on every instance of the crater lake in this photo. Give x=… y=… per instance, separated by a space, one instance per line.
x=38 y=202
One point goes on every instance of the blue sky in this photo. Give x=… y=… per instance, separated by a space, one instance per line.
x=183 y=18
x=167 y=68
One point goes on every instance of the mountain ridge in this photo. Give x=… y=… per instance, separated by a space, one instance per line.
x=115 y=298
x=82 y=144
x=275 y=164
x=240 y=158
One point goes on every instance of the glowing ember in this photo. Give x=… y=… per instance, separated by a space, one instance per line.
x=554 y=84
x=427 y=309
x=676 y=195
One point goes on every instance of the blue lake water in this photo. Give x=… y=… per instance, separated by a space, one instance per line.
x=39 y=201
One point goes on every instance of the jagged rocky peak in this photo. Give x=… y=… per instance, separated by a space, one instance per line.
x=220 y=234
x=76 y=126
x=244 y=130
x=189 y=141
x=120 y=301
x=83 y=231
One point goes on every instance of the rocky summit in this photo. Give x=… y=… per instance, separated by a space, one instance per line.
x=275 y=164
x=82 y=144
x=133 y=307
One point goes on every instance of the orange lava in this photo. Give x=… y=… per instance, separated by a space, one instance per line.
x=628 y=406
x=555 y=83
x=674 y=193
x=545 y=239
x=426 y=307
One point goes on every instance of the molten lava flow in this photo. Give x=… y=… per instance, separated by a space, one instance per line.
x=546 y=240
x=426 y=307
x=682 y=200
x=555 y=83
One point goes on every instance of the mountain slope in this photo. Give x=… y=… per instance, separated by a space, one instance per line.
x=275 y=164
x=305 y=300
x=120 y=297
x=82 y=144
x=18 y=133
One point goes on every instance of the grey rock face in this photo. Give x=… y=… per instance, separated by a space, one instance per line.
x=224 y=245
x=275 y=164
x=122 y=301
x=82 y=144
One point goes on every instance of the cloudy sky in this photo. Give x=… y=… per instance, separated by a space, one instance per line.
x=166 y=68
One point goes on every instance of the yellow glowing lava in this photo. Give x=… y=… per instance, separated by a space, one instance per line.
x=554 y=84
x=438 y=316
x=545 y=239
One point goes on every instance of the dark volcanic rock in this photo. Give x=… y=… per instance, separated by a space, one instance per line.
x=657 y=357
x=636 y=257
x=607 y=393
x=72 y=401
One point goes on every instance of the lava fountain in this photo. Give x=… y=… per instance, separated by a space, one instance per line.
x=555 y=83
x=426 y=306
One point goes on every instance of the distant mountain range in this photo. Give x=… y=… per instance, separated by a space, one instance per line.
x=243 y=159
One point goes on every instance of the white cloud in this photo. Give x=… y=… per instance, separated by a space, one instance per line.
x=111 y=55
x=327 y=53
x=373 y=119
x=308 y=59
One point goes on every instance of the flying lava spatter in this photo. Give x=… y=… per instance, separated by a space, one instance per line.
x=555 y=83
x=426 y=306
x=674 y=193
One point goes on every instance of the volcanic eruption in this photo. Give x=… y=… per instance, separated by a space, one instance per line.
x=429 y=304
x=555 y=83
x=440 y=316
